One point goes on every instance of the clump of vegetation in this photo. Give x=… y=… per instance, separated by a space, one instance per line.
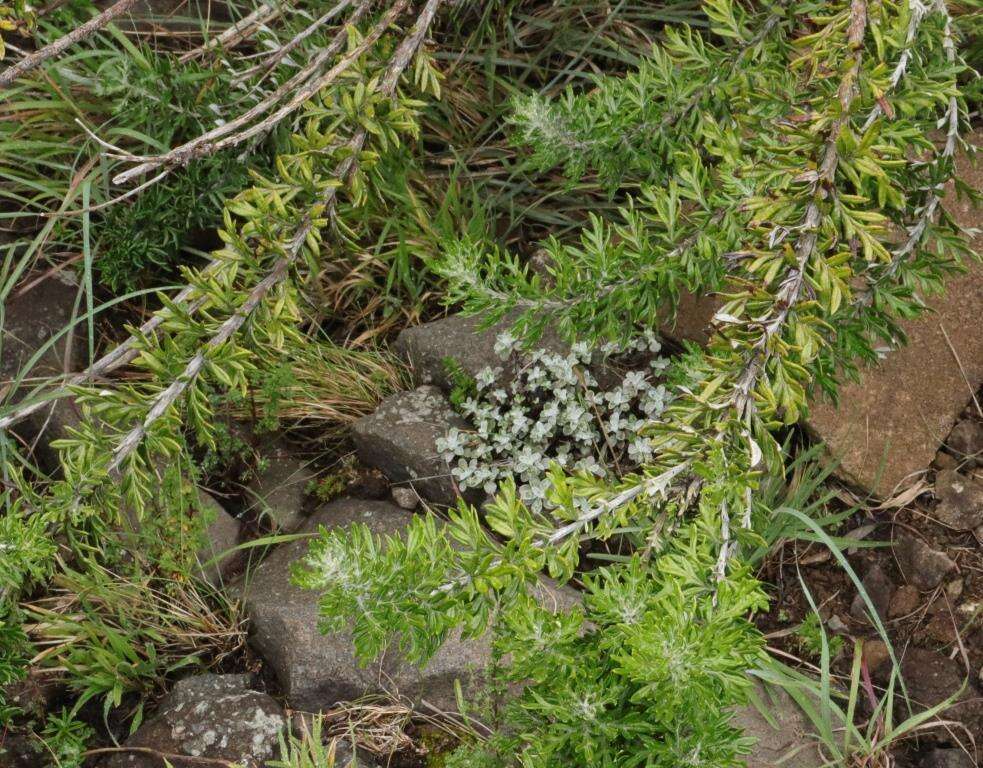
x=553 y=412
x=350 y=179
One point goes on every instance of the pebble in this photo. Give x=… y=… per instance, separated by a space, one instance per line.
x=905 y=601
x=960 y=500
x=921 y=565
x=405 y=497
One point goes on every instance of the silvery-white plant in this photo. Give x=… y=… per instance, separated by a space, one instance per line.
x=554 y=410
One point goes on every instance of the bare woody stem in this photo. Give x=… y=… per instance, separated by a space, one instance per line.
x=62 y=44
x=167 y=397
x=284 y=50
x=929 y=210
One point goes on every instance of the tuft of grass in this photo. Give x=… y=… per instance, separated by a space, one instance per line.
x=320 y=384
x=111 y=634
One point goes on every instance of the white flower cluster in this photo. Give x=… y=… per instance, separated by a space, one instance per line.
x=554 y=411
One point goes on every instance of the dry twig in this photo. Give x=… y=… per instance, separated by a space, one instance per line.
x=65 y=42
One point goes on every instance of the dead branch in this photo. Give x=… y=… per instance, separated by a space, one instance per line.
x=238 y=32
x=65 y=42
x=284 y=50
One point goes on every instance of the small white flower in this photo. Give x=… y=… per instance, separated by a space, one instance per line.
x=505 y=344
x=659 y=363
x=580 y=352
x=486 y=377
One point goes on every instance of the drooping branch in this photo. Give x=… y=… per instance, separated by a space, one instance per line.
x=284 y=50
x=790 y=289
x=167 y=397
x=62 y=44
x=929 y=210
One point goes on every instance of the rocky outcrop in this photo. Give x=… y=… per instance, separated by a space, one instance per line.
x=212 y=717
x=316 y=670
x=400 y=439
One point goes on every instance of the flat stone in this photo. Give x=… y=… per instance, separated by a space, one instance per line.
x=279 y=490
x=930 y=678
x=316 y=671
x=879 y=588
x=921 y=565
x=787 y=741
x=221 y=535
x=30 y=322
x=426 y=347
x=887 y=426
x=960 y=500
x=213 y=717
x=400 y=439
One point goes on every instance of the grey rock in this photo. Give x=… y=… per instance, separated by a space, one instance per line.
x=921 y=565
x=966 y=442
x=222 y=535
x=400 y=439
x=210 y=716
x=425 y=347
x=316 y=671
x=960 y=500
x=880 y=590
x=786 y=741
x=948 y=758
x=280 y=489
